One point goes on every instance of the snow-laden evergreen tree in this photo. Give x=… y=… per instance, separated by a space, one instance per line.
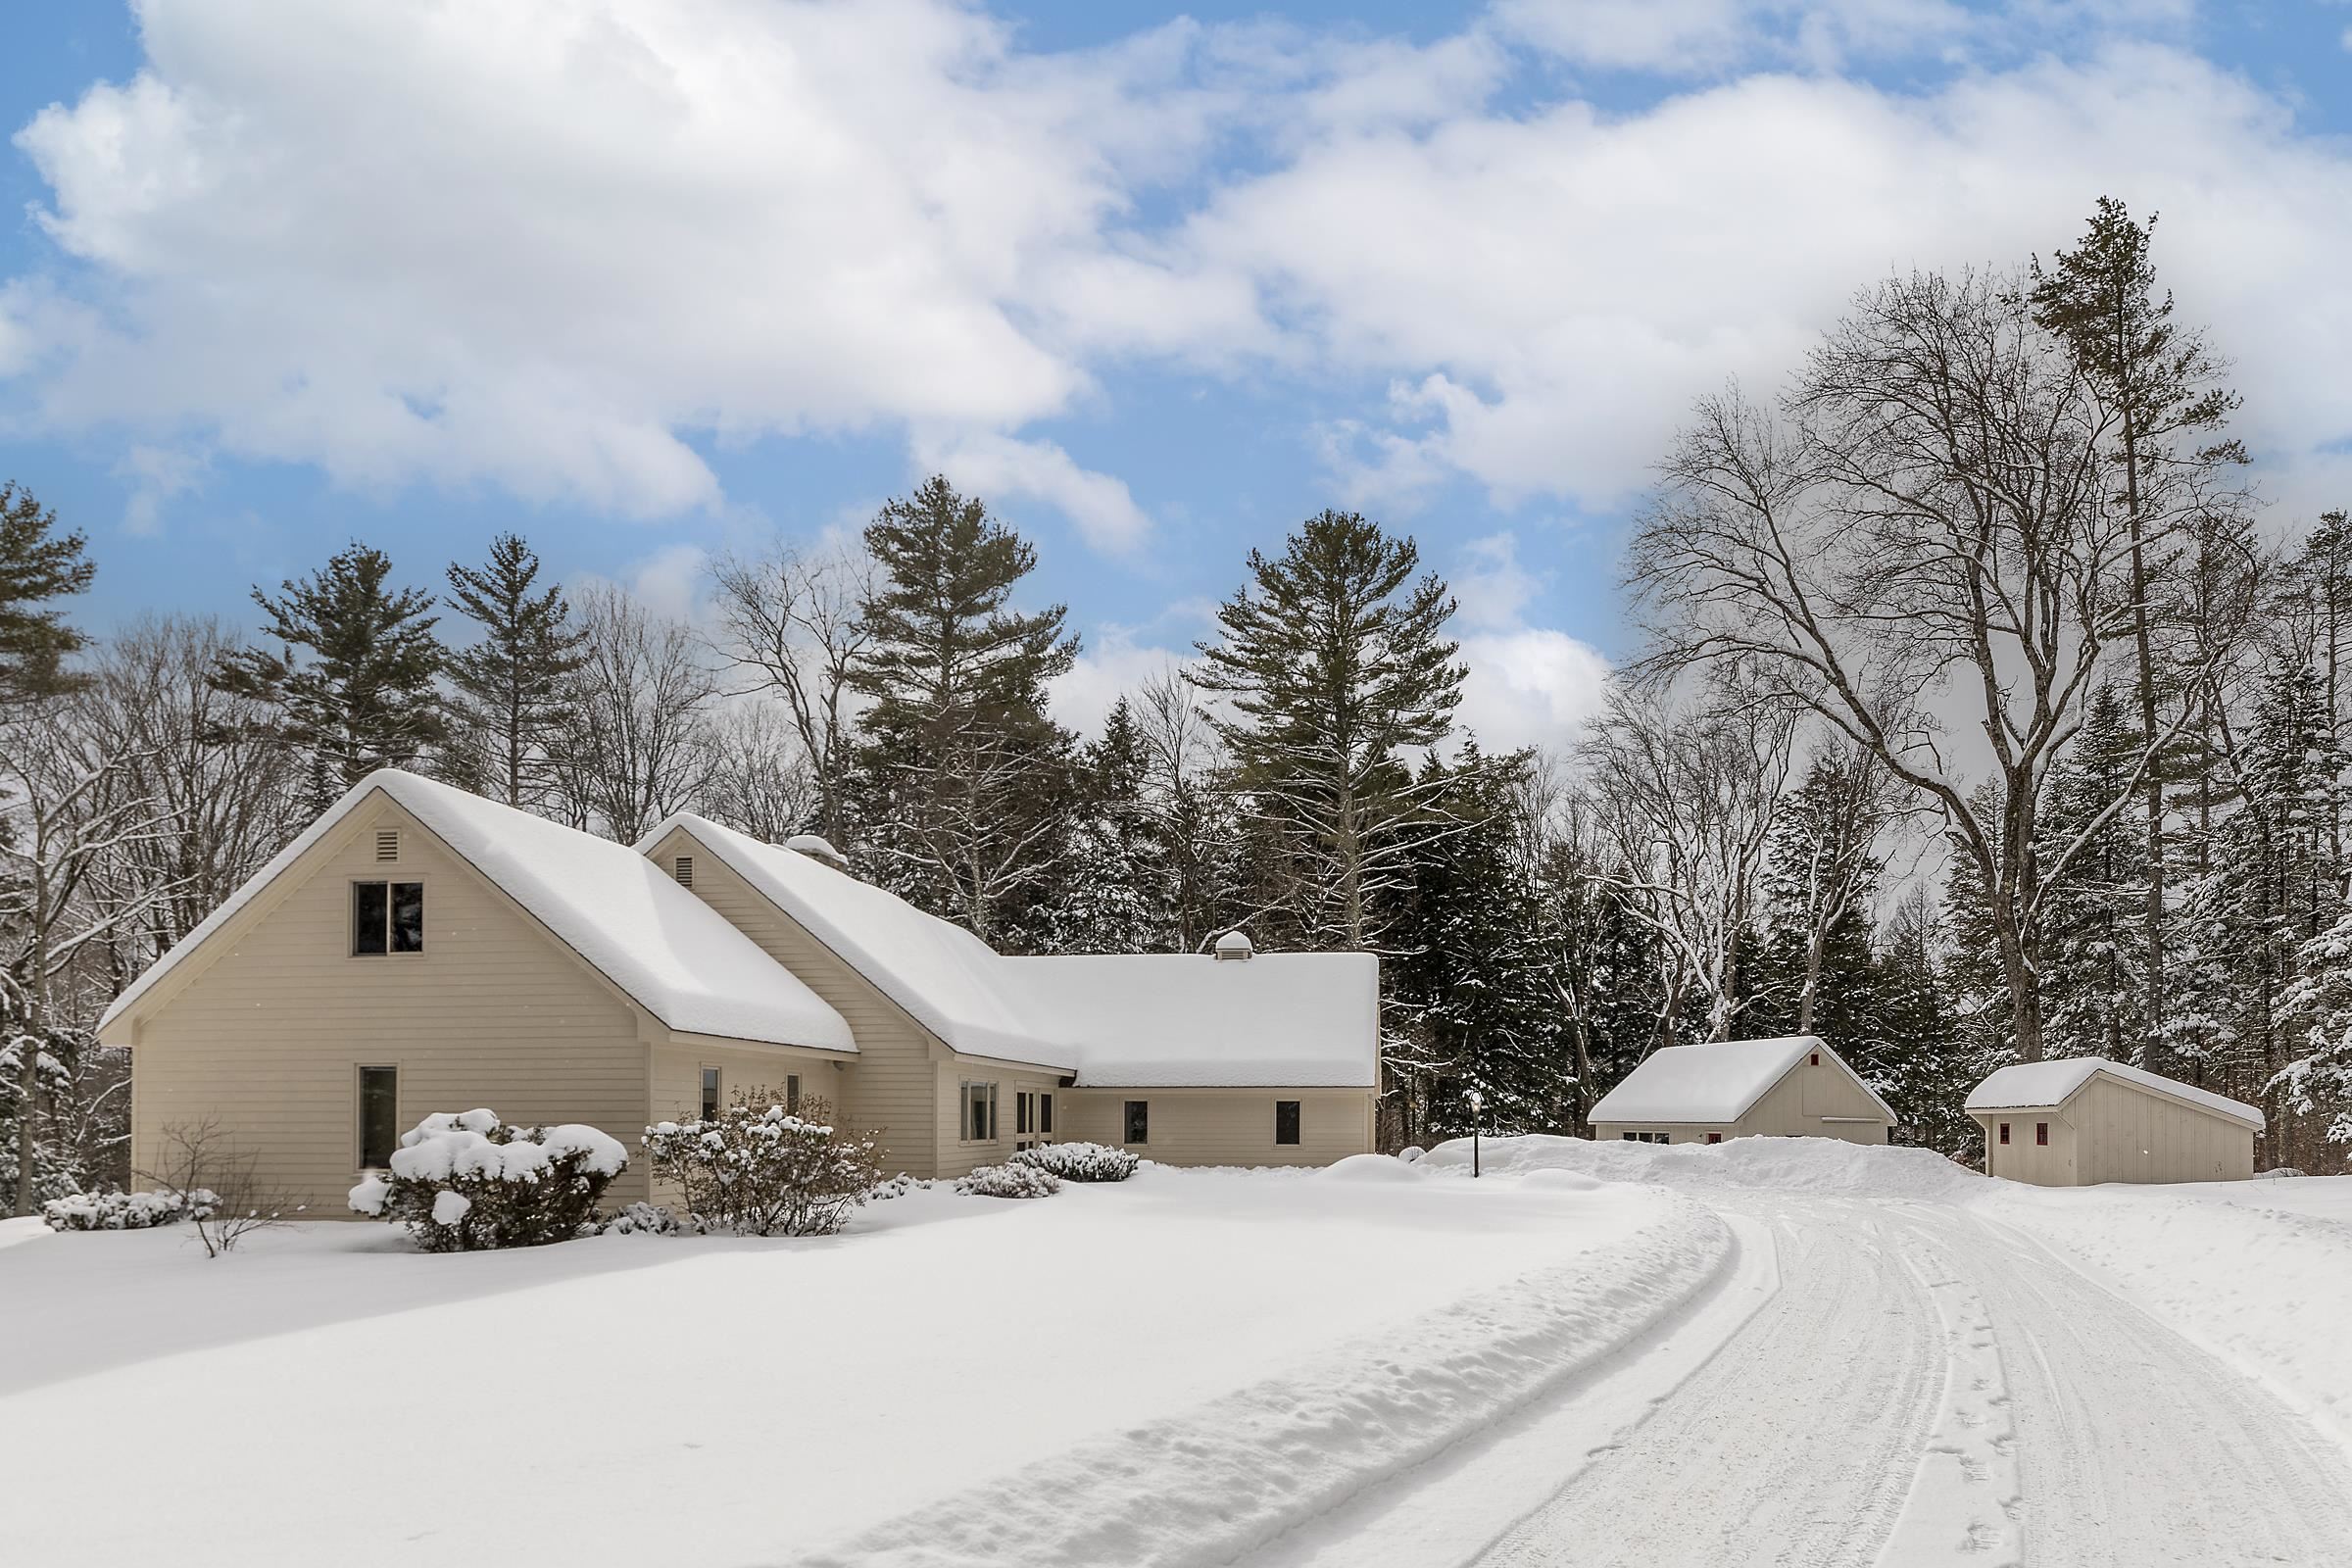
x=2162 y=386
x=1911 y=1047
x=1336 y=665
x=2093 y=936
x=1112 y=892
x=351 y=685
x=38 y=566
x=512 y=682
x=1821 y=879
x=2316 y=1082
x=1475 y=999
x=965 y=782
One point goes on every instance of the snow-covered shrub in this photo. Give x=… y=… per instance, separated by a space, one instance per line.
x=126 y=1212
x=468 y=1181
x=1079 y=1162
x=1411 y=1153
x=898 y=1186
x=650 y=1219
x=762 y=1170
x=1008 y=1181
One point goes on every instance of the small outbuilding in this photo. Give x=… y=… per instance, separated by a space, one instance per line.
x=2086 y=1120
x=1794 y=1086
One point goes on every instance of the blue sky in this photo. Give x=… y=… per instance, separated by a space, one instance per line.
x=649 y=282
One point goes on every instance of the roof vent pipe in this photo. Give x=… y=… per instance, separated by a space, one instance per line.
x=816 y=849
x=1234 y=945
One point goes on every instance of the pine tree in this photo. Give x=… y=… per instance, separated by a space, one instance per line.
x=1337 y=664
x=2093 y=941
x=1821 y=875
x=364 y=697
x=512 y=683
x=2162 y=387
x=1472 y=984
x=38 y=565
x=965 y=782
x=1112 y=892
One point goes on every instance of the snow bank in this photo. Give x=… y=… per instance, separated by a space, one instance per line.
x=1788 y=1165
x=1368 y=1168
x=1206 y=1487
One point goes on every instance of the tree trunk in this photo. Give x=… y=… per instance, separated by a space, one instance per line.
x=2153 y=1056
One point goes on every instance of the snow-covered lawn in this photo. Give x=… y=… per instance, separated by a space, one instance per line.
x=1775 y=1351
x=329 y=1395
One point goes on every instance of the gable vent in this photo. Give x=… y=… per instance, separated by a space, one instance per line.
x=684 y=871
x=388 y=844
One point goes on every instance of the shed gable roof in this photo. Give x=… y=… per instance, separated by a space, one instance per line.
x=674 y=956
x=1717 y=1081
x=2033 y=1084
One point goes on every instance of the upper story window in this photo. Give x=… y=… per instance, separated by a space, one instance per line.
x=386 y=917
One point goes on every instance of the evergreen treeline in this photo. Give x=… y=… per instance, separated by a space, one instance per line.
x=1945 y=767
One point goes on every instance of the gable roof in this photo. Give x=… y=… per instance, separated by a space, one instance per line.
x=1304 y=1019
x=2030 y=1085
x=675 y=956
x=1280 y=1019
x=1720 y=1080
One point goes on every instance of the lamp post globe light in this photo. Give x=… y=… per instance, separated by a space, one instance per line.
x=1477 y=1103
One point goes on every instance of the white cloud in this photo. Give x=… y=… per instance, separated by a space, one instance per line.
x=1113 y=663
x=1551 y=288
x=1533 y=686
x=539 y=245
x=670 y=581
x=997 y=465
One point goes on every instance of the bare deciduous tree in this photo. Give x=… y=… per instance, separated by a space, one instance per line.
x=1922 y=532
x=639 y=746
x=795 y=620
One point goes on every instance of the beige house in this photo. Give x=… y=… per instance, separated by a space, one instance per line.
x=1795 y=1087
x=2086 y=1120
x=420 y=949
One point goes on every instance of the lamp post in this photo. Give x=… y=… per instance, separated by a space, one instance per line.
x=1477 y=1101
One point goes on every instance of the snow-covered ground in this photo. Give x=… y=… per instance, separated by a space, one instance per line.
x=1775 y=1351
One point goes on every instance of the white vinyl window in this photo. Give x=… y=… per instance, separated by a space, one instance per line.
x=979 y=1113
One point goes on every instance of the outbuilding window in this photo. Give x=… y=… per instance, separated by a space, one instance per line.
x=379 y=1116
x=1138 y=1121
x=1286 y=1121
x=1714 y=1138
x=2042 y=1132
x=1816 y=1058
x=386 y=917
x=2004 y=1132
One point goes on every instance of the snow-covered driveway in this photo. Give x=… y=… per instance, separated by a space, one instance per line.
x=1887 y=1381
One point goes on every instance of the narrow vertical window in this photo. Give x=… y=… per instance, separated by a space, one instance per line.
x=1138 y=1121
x=710 y=1094
x=792 y=1094
x=379 y=1116
x=371 y=918
x=992 y=1112
x=2042 y=1132
x=407 y=917
x=2004 y=1132
x=1286 y=1121
x=1020 y=1113
x=1045 y=1114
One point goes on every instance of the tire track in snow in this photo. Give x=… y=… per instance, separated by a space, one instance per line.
x=2134 y=1447
x=1796 y=1445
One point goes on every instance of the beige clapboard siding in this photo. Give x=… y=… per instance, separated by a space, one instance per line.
x=892 y=1086
x=1226 y=1126
x=269 y=1035
x=1809 y=1102
x=2021 y=1160
x=959 y=1154
x=2111 y=1131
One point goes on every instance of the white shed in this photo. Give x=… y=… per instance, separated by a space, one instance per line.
x=1794 y=1086
x=2086 y=1120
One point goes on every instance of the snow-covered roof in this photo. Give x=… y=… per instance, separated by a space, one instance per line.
x=1282 y=1019
x=1175 y=1020
x=1717 y=1081
x=673 y=953
x=2028 y=1085
x=946 y=979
